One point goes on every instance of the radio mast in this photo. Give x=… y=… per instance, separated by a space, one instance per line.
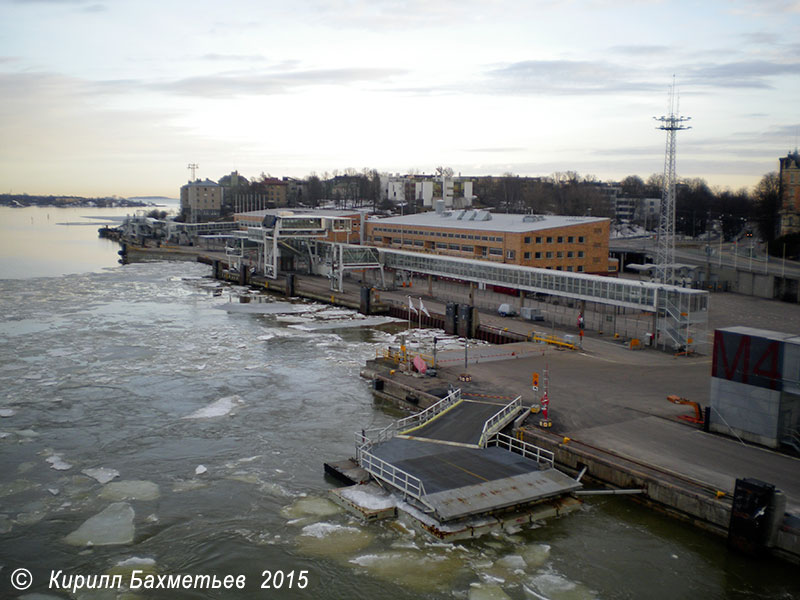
x=665 y=235
x=193 y=167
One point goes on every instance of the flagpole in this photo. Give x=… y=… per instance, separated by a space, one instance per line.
x=420 y=313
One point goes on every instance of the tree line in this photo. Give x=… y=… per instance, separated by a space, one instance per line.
x=697 y=205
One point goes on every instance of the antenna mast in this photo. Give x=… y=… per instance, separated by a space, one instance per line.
x=193 y=167
x=665 y=236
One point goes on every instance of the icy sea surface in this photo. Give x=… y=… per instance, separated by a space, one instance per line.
x=143 y=428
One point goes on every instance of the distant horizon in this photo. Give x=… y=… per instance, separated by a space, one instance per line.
x=392 y=173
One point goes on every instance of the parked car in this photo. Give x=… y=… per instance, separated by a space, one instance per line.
x=506 y=310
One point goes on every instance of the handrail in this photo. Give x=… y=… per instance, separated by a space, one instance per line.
x=429 y=413
x=366 y=438
x=540 y=455
x=394 y=476
x=498 y=420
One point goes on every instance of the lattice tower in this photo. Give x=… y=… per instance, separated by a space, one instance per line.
x=665 y=235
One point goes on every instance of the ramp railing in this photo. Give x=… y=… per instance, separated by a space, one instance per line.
x=367 y=438
x=434 y=410
x=540 y=455
x=499 y=420
x=405 y=482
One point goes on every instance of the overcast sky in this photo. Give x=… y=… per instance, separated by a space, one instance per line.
x=118 y=96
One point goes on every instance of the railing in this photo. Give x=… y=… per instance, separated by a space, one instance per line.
x=540 y=455
x=397 y=478
x=553 y=340
x=499 y=420
x=366 y=438
x=429 y=413
x=792 y=438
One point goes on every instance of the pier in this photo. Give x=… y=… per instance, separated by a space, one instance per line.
x=451 y=462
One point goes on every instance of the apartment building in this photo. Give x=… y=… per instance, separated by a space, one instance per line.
x=790 y=194
x=201 y=201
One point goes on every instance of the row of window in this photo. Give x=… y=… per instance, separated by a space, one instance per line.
x=559 y=239
x=392 y=230
x=510 y=254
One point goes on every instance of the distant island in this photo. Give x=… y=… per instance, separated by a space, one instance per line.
x=23 y=200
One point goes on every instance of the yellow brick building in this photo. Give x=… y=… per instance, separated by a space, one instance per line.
x=790 y=194
x=574 y=244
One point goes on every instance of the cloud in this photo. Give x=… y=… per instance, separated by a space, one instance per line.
x=214 y=57
x=741 y=74
x=223 y=85
x=566 y=77
x=641 y=49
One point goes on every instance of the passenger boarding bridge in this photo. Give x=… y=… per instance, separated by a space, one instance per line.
x=680 y=315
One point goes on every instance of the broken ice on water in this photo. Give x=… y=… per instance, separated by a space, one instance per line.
x=219 y=408
x=112 y=526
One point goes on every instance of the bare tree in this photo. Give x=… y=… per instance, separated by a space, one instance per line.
x=767 y=206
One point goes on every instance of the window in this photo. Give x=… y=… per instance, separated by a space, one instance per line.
x=569 y=269
x=527 y=239
x=580 y=268
x=580 y=253
x=539 y=239
x=570 y=239
x=549 y=255
x=510 y=254
x=454 y=246
x=495 y=252
x=537 y=255
x=570 y=254
x=441 y=246
x=560 y=239
x=559 y=254
x=580 y=239
x=527 y=256
x=467 y=248
x=549 y=240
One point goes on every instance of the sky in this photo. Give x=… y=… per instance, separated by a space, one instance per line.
x=117 y=97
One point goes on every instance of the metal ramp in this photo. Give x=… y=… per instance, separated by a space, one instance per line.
x=452 y=478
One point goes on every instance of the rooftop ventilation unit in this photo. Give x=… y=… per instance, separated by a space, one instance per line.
x=532 y=218
x=483 y=215
x=460 y=215
x=472 y=214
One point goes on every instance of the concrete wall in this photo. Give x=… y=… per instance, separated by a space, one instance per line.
x=748 y=411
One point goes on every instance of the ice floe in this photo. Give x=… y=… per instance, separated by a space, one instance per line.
x=332 y=540
x=219 y=408
x=7 y=412
x=58 y=463
x=483 y=591
x=200 y=469
x=101 y=474
x=422 y=571
x=310 y=507
x=114 y=525
x=130 y=490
